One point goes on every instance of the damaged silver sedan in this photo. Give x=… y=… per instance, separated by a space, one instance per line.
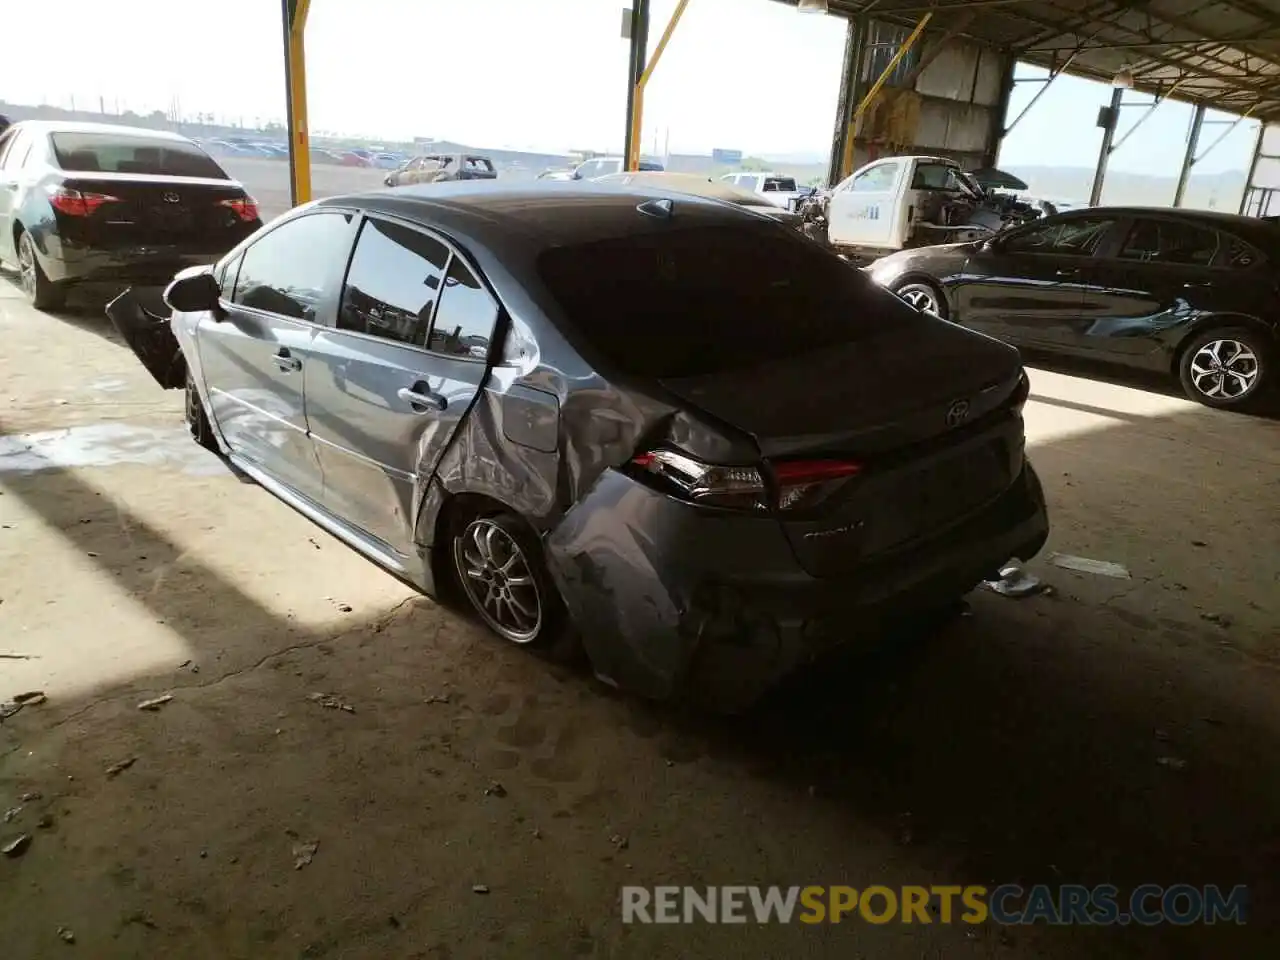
x=676 y=431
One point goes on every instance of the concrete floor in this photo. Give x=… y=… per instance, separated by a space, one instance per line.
x=1020 y=744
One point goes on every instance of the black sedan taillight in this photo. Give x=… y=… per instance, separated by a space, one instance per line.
x=782 y=485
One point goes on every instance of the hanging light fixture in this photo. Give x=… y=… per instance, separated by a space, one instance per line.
x=1123 y=78
x=812 y=6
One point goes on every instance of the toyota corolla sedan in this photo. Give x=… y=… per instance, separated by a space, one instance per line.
x=680 y=432
x=93 y=202
x=1183 y=292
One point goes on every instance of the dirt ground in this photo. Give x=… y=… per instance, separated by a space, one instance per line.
x=1122 y=731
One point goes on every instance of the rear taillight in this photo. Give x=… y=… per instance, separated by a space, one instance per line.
x=246 y=208
x=75 y=203
x=784 y=485
x=804 y=483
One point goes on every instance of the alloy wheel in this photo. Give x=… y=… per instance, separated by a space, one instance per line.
x=922 y=298
x=1225 y=369
x=27 y=265
x=498 y=580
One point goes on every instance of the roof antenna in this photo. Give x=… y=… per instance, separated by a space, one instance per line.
x=662 y=209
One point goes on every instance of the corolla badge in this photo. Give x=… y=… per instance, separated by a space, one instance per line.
x=957 y=413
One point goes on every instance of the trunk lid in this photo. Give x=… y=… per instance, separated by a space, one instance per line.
x=157 y=211
x=922 y=406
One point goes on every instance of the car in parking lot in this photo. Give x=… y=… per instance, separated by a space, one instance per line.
x=81 y=203
x=440 y=167
x=705 y=187
x=1188 y=293
x=681 y=433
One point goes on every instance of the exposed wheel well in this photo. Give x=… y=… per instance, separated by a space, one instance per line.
x=1221 y=323
x=457 y=509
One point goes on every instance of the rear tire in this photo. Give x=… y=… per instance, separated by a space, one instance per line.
x=924 y=296
x=197 y=420
x=42 y=293
x=498 y=567
x=1226 y=367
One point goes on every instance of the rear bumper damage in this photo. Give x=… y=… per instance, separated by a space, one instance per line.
x=671 y=598
x=142 y=318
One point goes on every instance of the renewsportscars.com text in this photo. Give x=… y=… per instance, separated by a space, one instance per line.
x=1008 y=904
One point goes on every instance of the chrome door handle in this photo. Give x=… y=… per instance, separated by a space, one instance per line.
x=287 y=362
x=422 y=400
x=1068 y=273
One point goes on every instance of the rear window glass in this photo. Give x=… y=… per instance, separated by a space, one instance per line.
x=109 y=153
x=779 y=185
x=709 y=299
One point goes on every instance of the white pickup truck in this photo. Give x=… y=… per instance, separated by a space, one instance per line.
x=773 y=188
x=902 y=202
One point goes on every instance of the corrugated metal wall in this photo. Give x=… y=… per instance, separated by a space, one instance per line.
x=958 y=99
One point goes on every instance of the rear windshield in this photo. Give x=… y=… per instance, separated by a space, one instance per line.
x=109 y=153
x=779 y=185
x=708 y=299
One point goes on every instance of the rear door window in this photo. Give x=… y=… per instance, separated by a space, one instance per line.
x=1171 y=242
x=1240 y=255
x=465 y=319
x=289 y=269
x=394 y=283
x=707 y=298
x=18 y=146
x=116 y=153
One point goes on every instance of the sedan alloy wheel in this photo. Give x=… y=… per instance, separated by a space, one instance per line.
x=498 y=578
x=27 y=265
x=1225 y=370
x=923 y=298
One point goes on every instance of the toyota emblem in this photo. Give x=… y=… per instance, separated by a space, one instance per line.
x=170 y=197
x=958 y=413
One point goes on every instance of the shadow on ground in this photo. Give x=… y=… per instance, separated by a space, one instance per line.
x=1104 y=734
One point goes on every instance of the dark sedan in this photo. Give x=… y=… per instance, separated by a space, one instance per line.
x=81 y=203
x=1192 y=294
x=668 y=423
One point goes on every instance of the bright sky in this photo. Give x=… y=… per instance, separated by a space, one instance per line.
x=537 y=74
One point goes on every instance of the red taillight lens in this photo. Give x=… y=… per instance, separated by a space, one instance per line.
x=803 y=483
x=75 y=203
x=246 y=208
x=796 y=483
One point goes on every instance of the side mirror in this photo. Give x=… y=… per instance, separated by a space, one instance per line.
x=389 y=180
x=192 y=294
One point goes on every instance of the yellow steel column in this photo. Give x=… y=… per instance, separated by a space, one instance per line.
x=847 y=161
x=295 y=25
x=637 y=113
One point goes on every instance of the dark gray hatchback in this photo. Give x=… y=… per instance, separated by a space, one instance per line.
x=683 y=434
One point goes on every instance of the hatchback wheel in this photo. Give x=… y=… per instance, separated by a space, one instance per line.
x=924 y=297
x=1225 y=367
x=499 y=566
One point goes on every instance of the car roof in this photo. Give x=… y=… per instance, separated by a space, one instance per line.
x=538 y=213
x=1213 y=219
x=61 y=126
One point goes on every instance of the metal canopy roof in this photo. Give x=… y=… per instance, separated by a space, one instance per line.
x=1222 y=53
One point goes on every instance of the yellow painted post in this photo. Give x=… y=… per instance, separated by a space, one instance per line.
x=295 y=12
x=846 y=163
x=637 y=113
